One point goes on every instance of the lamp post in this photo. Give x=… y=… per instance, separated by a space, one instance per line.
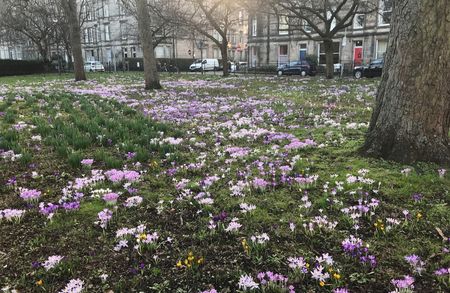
x=55 y=21
x=344 y=44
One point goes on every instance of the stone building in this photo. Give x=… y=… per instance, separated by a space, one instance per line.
x=272 y=43
x=110 y=35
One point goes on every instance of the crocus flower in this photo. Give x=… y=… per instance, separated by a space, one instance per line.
x=52 y=262
x=246 y=282
x=87 y=162
x=74 y=286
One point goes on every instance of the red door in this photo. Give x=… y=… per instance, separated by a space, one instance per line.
x=358 y=56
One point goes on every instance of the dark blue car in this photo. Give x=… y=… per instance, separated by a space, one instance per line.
x=301 y=68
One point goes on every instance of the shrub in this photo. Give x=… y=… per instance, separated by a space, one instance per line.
x=21 y=67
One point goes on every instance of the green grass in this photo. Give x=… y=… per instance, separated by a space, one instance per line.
x=73 y=127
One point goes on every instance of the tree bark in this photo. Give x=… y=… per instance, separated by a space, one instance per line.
x=150 y=69
x=268 y=40
x=328 y=46
x=411 y=118
x=224 y=51
x=70 y=10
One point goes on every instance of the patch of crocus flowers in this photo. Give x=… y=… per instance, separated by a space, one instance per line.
x=29 y=195
x=191 y=261
x=354 y=247
x=13 y=215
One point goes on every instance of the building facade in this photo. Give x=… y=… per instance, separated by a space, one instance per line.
x=272 y=42
x=110 y=35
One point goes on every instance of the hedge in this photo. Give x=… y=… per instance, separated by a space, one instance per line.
x=21 y=67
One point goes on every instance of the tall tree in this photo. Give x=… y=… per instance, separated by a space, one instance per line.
x=144 y=23
x=213 y=19
x=71 y=12
x=411 y=118
x=322 y=20
x=162 y=13
x=33 y=19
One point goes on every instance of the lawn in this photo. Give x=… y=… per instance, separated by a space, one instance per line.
x=235 y=185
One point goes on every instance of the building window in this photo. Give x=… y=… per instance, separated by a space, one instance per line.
x=159 y=52
x=283 y=25
x=125 y=52
x=109 y=55
x=303 y=51
x=120 y=8
x=322 y=58
x=91 y=13
x=123 y=31
x=217 y=36
x=89 y=35
x=105 y=10
x=333 y=21
x=216 y=53
x=385 y=12
x=107 y=33
x=254 y=26
x=359 y=21
x=381 y=49
x=133 y=52
x=306 y=27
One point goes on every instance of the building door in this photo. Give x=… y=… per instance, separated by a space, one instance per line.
x=357 y=53
x=283 y=55
x=303 y=50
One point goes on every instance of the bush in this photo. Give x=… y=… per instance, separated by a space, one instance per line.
x=21 y=67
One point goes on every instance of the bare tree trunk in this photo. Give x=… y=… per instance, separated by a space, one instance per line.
x=224 y=50
x=328 y=46
x=70 y=10
x=411 y=119
x=150 y=69
x=268 y=41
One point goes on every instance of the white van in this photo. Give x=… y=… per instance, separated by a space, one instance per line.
x=207 y=64
x=93 y=66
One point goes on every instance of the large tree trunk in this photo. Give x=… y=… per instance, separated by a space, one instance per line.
x=150 y=69
x=224 y=51
x=328 y=46
x=411 y=119
x=70 y=10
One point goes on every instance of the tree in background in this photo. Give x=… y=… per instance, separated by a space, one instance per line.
x=213 y=19
x=70 y=9
x=411 y=118
x=162 y=13
x=32 y=19
x=322 y=20
x=144 y=19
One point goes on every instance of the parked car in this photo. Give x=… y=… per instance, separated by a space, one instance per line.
x=93 y=66
x=206 y=64
x=374 y=69
x=237 y=66
x=302 y=68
